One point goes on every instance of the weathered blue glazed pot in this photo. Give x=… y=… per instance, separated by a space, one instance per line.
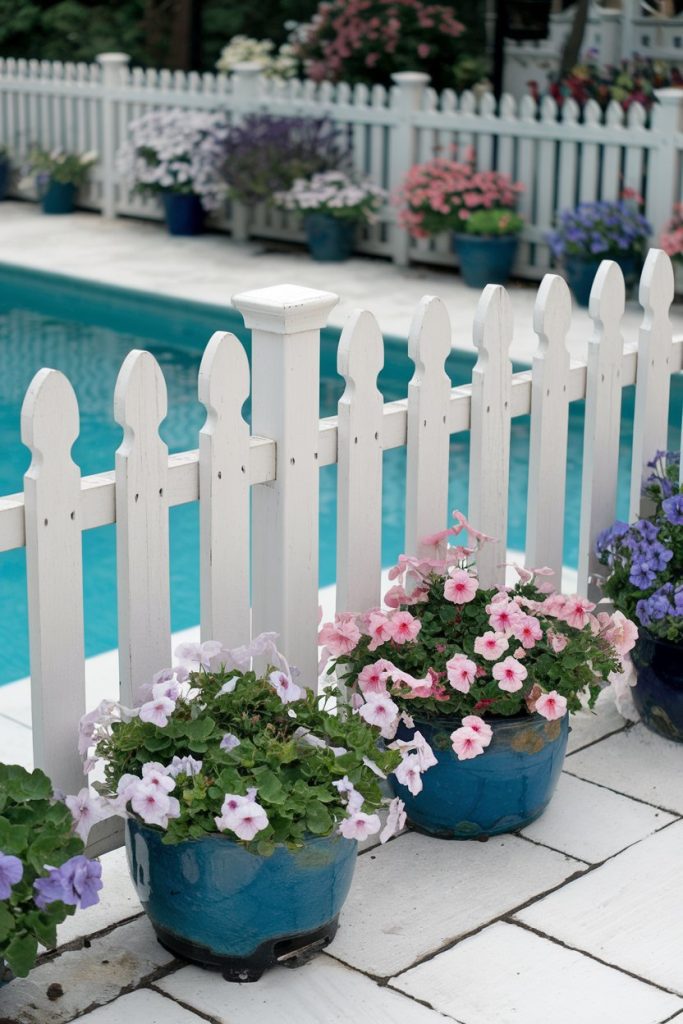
x=581 y=273
x=501 y=790
x=658 y=694
x=485 y=260
x=214 y=903
x=58 y=197
x=184 y=213
x=330 y=239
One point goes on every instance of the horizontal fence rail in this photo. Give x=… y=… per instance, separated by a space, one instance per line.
x=562 y=156
x=277 y=468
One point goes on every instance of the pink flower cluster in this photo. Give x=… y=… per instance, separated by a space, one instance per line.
x=671 y=238
x=149 y=796
x=242 y=815
x=358 y=824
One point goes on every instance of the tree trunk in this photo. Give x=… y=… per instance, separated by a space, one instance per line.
x=574 y=42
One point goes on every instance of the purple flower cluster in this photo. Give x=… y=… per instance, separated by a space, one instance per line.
x=76 y=883
x=599 y=229
x=667 y=601
x=660 y=478
x=11 y=872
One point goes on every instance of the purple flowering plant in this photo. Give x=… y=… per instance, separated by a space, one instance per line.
x=218 y=748
x=44 y=875
x=598 y=230
x=645 y=559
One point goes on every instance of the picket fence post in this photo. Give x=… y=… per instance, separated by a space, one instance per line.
x=285 y=322
x=247 y=83
x=662 y=189
x=406 y=100
x=113 y=66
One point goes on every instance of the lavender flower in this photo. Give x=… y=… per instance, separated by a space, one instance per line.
x=591 y=229
x=75 y=883
x=11 y=872
x=673 y=509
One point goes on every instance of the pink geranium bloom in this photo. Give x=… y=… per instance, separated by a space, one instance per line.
x=380 y=630
x=558 y=641
x=396 y=820
x=461 y=672
x=359 y=826
x=460 y=588
x=491 y=645
x=157 y=711
x=478 y=725
x=527 y=629
x=551 y=705
x=286 y=689
x=409 y=773
x=373 y=678
x=575 y=611
x=466 y=743
x=381 y=711
x=340 y=636
x=510 y=674
x=405 y=627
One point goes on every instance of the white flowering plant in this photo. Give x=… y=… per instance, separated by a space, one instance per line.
x=336 y=194
x=178 y=151
x=217 y=748
x=281 y=63
x=60 y=166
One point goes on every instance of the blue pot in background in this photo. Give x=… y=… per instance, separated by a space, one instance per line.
x=580 y=272
x=501 y=790
x=485 y=260
x=330 y=239
x=214 y=903
x=4 y=176
x=184 y=213
x=58 y=197
x=658 y=694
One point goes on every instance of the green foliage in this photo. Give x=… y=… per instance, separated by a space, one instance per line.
x=38 y=830
x=493 y=222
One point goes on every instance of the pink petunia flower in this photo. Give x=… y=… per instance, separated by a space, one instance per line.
x=381 y=711
x=396 y=820
x=359 y=826
x=460 y=588
x=409 y=773
x=551 y=705
x=503 y=615
x=510 y=674
x=86 y=810
x=466 y=743
x=575 y=611
x=405 y=627
x=527 y=629
x=478 y=725
x=153 y=805
x=491 y=645
x=286 y=689
x=558 y=641
x=373 y=678
x=380 y=630
x=621 y=633
x=154 y=774
x=461 y=672
x=340 y=636
x=157 y=711
x=247 y=820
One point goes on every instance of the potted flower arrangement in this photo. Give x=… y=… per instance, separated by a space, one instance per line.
x=596 y=231
x=645 y=581
x=44 y=876
x=58 y=176
x=5 y=169
x=473 y=685
x=332 y=204
x=245 y=795
x=178 y=155
x=477 y=207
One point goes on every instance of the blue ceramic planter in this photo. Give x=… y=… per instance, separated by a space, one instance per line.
x=581 y=273
x=4 y=177
x=214 y=903
x=485 y=260
x=502 y=790
x=184 y=213
x=330 y=239
x=58 y=197
x=658 y=694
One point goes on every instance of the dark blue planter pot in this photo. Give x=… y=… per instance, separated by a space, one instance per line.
x=58 y=198
x=502 y=790
x=658 y=694
x=581 y=273
x=184 y=213
x=485 y=260
x=214 y=903
x=4 y=177
x=5 y=974
x=330 y=239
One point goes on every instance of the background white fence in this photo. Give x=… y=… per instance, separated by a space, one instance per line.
x=561 y=156
x=278 y=461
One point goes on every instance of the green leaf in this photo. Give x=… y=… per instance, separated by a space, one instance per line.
x=13 y=838
x=43 y=927
x=7 y=922
x=318 y=819
x=21 y=954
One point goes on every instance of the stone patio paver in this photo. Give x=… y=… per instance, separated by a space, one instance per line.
x=418 y=894
x=506 y=975
x=592 y=823
x=628 y=912
x=586 y=727
x=322 y=992
x=143 y=1005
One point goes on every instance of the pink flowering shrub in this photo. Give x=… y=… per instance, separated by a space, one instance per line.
x=446 y=647
x=671 y=238
x=368 y=40
x=444 y=194
x=216 y=748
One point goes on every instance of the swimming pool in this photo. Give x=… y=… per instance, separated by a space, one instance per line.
x=86 y=330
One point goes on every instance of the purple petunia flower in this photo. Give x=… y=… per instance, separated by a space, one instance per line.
x=642 y=575
x=75 y=883
x=11 y=872
x=673 y=509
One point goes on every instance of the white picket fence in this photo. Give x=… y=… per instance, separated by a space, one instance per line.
x=276 y=464
x=562 y=157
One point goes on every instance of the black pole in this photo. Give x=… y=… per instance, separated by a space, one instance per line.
x=499 y=47
x=196 y=55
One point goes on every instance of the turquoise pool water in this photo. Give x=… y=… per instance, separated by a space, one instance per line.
x=87 y=330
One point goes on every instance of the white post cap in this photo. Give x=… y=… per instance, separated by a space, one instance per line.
x=285 y=308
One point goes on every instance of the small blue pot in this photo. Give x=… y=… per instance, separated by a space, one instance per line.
x=330 y=239
x=580 y=273
x=501 y=790
x=58 y=197
x=485 y=260
x=658 y=694
x=214 y=903
x=184 y=213
x=4 y=177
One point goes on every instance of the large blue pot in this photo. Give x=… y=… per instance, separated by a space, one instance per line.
x=658 y=694
x=4 y=176
x=330 y=239
x=184 y=213
x=485 y=260
x=58 y=197
x=501 y=790
x=581 y=272
x=214 y=903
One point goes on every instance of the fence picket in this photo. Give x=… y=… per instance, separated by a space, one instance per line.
x=428 y=439
x=52 y=489
x=590 y=155
x=224 y=493
x=490 y=430
x=549 y=426
x=142 y=553
x=655 y=339
x=360 y=358
x=602 y=419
